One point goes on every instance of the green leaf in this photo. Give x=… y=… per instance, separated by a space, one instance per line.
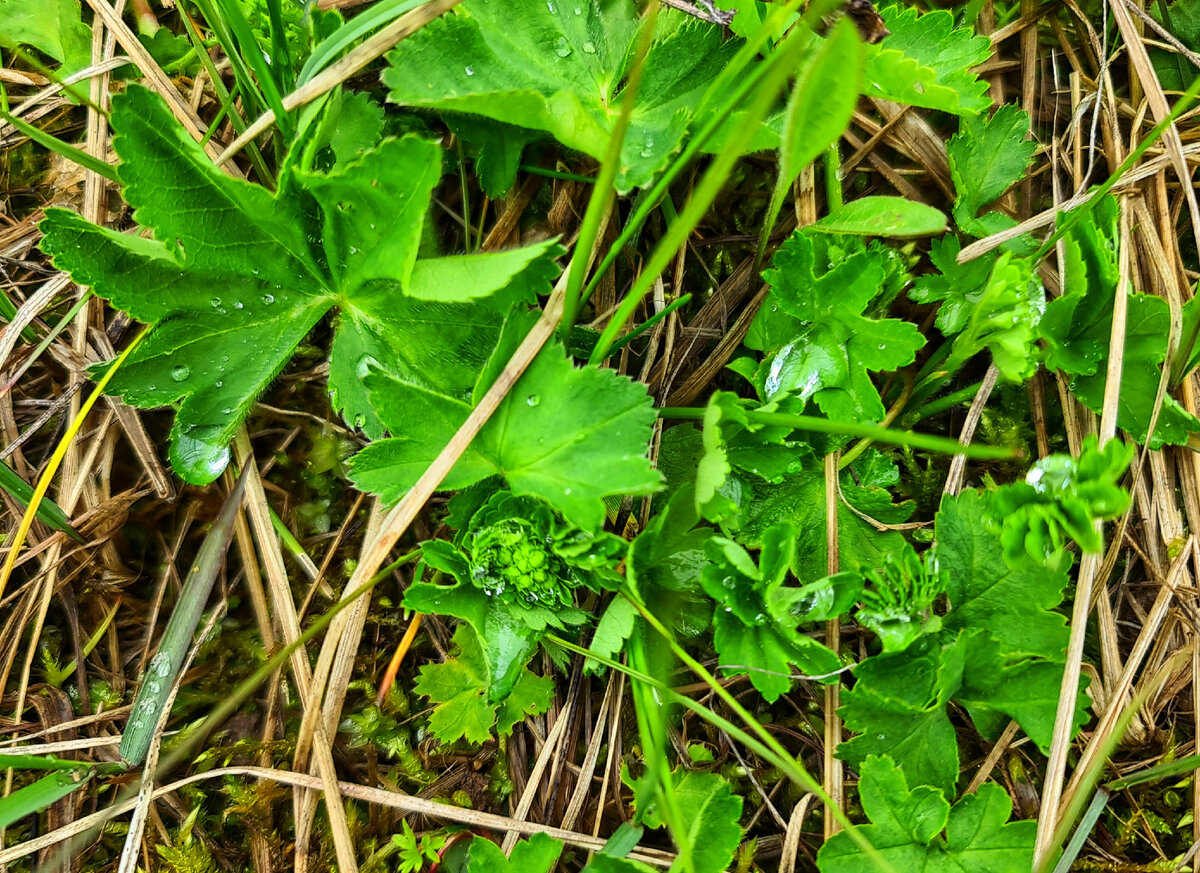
x=916 y=829
x=38 y=795
x=755 y=623
x=884 y=216
x=897 y=605
x=1061 y=497
x=571 y=436
x=498 y=149
x=48 y=512
x=53 y=28
x=534 y=855
x=236 y=277
x=1013 y=599
x=994 y=302
x=986 y=157
x=800 y=501
x=898 y=707
x=926 y=61
x=547 y=67
x=459 y=690
x=830 y=343
x=712 y=811
x=1077 y=326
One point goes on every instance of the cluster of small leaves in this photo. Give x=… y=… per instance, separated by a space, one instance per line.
x=896 y=604
x=1062 y=497
x=415 y=855
x=516 y=567
x=998 y=650
x=916 y=828
x=819 y=340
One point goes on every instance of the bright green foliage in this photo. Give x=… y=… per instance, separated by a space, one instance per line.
x=987 y=156
x=459 y=691
x=993 y=302
x=896 y=604
x=898 y=707
x=570 y=435
x=917 y=829
x=560 y=67
x=819 y=342
x=515 y=568
x=757 y=617
x=1182 y=20
x=883 y=216
x=534 y=855
x=710 y=810
x=926 y=61
x=53 y=28
x=1077 y=326
x=416 y=855
x=1061 y=497
x=999 y=651
x=236 y=277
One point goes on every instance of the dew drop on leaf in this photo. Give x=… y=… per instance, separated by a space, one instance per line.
x=589 y=47
x=239 y=305
x=533 y=400
x=219 y=384
x=180 y=373
x=268 y=299
x=216 y=301
x=562 y=48
x=469 y=71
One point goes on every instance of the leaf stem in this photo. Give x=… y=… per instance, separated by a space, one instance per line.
x=812 y=423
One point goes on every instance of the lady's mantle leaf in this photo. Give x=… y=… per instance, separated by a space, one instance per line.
x=559 y=66
x=918 y=830
x=535 y=855
x=1077 y=328
x=236 y=277
x=756 y=619
x=926 y=61
x=459 y=686
x=830 y=344
x=571 y=436
x=996 y=310
x=986 y=157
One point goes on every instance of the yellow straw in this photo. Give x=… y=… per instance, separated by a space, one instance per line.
x=55 y=460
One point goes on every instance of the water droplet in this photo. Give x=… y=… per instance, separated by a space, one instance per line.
x=254 y=270
x=180 y=373
x=239 y=305
x=268 y=299
x=219 y=384
x=550 y=6
x=354 y=250
x=216 y=301
x=227 y=411
x=578 y=11
x=533 y=400
x=562 y=48
x=589 y=47
x=469 y=71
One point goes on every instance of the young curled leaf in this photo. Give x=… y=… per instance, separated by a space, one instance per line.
x=1061 y=498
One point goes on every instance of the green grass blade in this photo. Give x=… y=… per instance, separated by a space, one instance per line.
x=62 y=149
x=36 y=797
x=164 y=667
x=48 y=511
x=332 y=47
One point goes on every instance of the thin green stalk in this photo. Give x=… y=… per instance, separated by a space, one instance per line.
x=806 y=779
x=813 y=424
x=556 y=174
x=933 y=407
x=604 y=191
x=778 y=67
x=736 y=88
x=650 y=322
x=1076 y=215
x=833 y=178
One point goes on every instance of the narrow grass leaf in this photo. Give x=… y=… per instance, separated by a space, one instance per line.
x=48 y=511
x=164 y=666
x=36 y=797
